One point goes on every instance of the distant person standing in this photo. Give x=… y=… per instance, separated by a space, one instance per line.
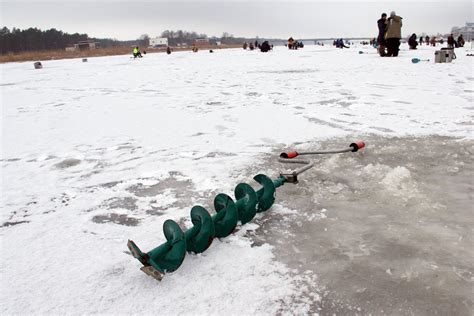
x=433 y=41
x=461 y=41
x=291 y=43
x=394 y=34
x=427 y=40
x=451 y=42
x=381 y=37
x=421 y=40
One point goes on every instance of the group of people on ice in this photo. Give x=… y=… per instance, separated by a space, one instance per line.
x=452 y=43
x=250 y=45
x=339 y=43
x=293 y=44
x=264 y=47
x=137 y=54
x=390 y=33
x=388 y=40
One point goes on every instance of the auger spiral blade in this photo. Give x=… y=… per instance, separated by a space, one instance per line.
x=200 y=236
x=226 y=217
x=246 y=202
x=266 y=195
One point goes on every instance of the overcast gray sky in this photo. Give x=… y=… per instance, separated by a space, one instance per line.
x=278 y=19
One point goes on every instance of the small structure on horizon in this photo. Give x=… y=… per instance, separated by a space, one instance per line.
x=201 y=42
x=467 y=31
x=83 y=45
x=158 y=42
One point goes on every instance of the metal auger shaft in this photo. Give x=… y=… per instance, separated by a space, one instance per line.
x=292 y=177
x=169 y=256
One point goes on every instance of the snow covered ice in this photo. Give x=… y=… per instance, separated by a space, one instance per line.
x=96 y=153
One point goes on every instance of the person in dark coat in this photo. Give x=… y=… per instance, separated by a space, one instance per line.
x=421 y=40
x=461 y=41
x=451 y=42
x=427 y=40
x=412 y=42
x=265 y=47
x=291 y=43
x=381 y=37
x=340 y=43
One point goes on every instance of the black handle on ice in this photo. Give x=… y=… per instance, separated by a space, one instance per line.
x=352 y=147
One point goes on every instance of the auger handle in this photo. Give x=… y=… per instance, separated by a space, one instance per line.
x=352 y=147
x=292 y=177
x=290 y=155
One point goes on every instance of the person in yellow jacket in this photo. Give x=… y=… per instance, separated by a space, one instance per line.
x=136 y=52
x=393 y=34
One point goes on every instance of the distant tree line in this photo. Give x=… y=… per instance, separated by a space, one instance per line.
x=34 y=39
x=229 y=39
x=181 y=37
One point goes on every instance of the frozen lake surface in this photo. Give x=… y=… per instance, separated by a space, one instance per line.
x=96 y=153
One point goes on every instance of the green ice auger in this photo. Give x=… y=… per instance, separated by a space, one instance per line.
x=169 y=256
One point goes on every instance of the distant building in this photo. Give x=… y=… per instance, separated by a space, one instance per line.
x=158 y=42
x=201 y=41
x=83 y=45
x=466 y=31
